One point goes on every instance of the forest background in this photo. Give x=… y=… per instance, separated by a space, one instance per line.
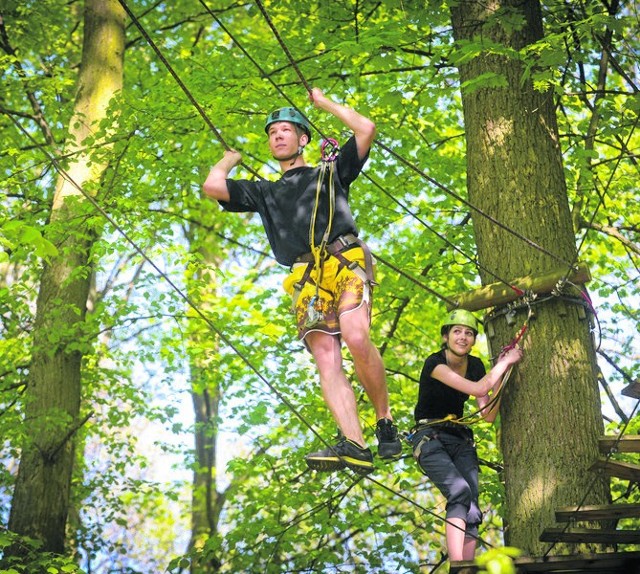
x=194 y=402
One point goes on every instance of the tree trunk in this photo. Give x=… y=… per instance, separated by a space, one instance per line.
x=206 y=501
x=40 y=501
x=550 y=412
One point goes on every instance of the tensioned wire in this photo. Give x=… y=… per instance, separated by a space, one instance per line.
x=63 y=173
x=570 y=265
x=202 y=112
x=113 y=223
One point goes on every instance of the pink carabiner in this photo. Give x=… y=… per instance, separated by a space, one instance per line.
x=332 y=153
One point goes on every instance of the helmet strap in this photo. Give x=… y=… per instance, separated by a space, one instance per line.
x=293 y=157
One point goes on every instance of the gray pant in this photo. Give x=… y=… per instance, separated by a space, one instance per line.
x=448 y=457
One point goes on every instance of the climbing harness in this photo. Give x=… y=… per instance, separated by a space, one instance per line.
x=316 y=258
x=457 y=426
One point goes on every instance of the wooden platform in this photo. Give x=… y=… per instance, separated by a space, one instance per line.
x=623 y=470
x=609 y=563
x=626 y=443
x=597 y=512
x=632 y=390
x=590 y=536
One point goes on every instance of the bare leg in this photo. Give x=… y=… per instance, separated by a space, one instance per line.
x=336 y=389
x=469 y=550
x=454 y=529
x=354 y=326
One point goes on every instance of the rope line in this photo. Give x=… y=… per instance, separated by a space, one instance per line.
x=180 y=83
x=471 y=206
x=283 y=45
x=224 y=338
x=418 y=170
x=472 y=260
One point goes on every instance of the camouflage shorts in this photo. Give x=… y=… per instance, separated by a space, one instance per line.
x=340 y=291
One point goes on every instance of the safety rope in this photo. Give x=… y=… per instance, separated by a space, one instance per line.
x=319 y=252
x=601 y=196
x=472 y=260
x=182 y=85
x=283 y=45
x=224 y=338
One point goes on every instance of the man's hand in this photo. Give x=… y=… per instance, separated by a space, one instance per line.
x=317 y=97
x=233 y=157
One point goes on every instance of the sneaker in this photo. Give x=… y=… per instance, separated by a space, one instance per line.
x=344 y=453
x=389 y=445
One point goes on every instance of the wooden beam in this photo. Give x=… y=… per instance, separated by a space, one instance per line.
x=499 y=294
x=590 y=536
x=623 y=470
x=597 y=512
x=632 y=390
x=609 y=563
x=626 y=443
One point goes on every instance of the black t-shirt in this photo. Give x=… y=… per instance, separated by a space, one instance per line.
x=437 y=400
x=286 y=206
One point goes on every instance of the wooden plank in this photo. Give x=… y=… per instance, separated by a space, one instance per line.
x=597 y=512
x=499 y=294
x=609 y=563
x=590 y=536
x=627 y=443
x=623 y=470
x=632 y=390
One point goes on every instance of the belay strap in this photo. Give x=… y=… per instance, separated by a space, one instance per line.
x=336 y=248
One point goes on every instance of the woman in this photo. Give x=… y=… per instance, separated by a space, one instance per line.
x=444 y=448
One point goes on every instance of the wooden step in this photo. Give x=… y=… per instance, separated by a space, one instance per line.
x=627 y=443
x=597 y=512
x=623 y=470
x=609 y=563
x=632 y=390
x=590 y=536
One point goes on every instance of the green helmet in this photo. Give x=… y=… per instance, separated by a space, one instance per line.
x=288 y=115
x=460 y=317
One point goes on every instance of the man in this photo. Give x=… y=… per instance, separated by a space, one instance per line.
x=310 y=228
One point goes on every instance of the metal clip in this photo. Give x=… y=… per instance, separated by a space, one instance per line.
x=329 y=149
x=313 y=315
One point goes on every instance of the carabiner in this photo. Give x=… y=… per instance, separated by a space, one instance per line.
x=332 y=153
x=313 y=315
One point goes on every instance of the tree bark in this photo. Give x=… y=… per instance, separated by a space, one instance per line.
x=40 y=501
x=550 y=411
x=206 y=501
